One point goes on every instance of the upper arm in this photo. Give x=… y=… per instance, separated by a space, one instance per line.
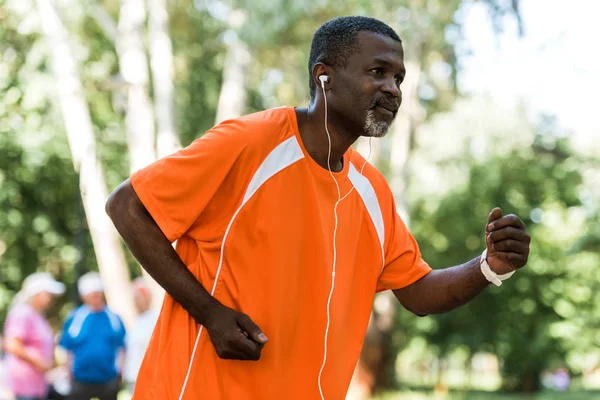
x=177 y=189
x=410 y=296
x=126 y=209
x=17 y=324
x=122 y=199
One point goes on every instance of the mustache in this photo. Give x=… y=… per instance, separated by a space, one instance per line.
x=388 y=104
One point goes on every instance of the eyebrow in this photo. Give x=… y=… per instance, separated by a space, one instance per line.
x=386 y=63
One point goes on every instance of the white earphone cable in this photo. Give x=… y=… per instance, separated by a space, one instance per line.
x=339 y=200
x=334 y=247
x=361 y=169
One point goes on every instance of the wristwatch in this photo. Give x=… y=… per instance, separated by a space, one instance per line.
x=490 y=275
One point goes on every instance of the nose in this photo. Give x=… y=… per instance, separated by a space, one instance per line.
x=391 y=88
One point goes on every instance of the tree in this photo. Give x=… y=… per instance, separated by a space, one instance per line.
x=161 y=62
x=144 y=143
x=133 y=68
x=139 y=116
x=80 y=132
x=524 y=321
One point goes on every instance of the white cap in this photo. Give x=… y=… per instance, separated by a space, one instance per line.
x=90 y=283
x=38 y=282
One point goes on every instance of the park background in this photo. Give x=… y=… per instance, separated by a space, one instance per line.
x=500 y=109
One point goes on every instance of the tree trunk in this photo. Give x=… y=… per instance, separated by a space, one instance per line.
x=139 y=119
x=104 y=20
x=80 y=133
x=133 y=66
x=161 y=62
x=232 y=99
x=375 y=369
x=530 y=382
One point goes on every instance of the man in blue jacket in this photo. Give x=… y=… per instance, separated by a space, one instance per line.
x=94 y=336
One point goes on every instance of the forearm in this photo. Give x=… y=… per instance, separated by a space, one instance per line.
x=443 y=290
x=156 y=255
x=16 y=347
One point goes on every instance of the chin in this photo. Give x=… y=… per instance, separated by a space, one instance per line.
x=378 y=132
x=375 y=127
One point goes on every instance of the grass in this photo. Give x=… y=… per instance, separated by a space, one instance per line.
x=420 y=395
x=429 y=395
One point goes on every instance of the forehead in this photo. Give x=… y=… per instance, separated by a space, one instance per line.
x=373 y=46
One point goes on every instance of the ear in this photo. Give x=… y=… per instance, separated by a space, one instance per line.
x=320 y=70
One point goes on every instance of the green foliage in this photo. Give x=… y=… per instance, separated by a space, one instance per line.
x=530 y=322
x=40 y=212
x=199 y=57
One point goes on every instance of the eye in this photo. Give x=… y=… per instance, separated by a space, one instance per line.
x=377 y=71
x=399 y=79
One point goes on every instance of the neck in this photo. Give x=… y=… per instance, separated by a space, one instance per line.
x=311 y=124
x=95 y=308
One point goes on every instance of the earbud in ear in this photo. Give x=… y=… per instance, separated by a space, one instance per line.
x=324 y=79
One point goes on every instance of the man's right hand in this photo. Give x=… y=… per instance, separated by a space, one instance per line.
x=234 y=335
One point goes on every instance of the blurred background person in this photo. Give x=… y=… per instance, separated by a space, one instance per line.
x=94 y=336
x=29 y=340
x=139 y=336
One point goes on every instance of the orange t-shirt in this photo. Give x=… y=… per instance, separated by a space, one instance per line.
x=249 y=207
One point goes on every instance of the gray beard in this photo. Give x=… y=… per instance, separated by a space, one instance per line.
x=374 y=128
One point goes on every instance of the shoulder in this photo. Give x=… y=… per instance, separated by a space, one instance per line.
x=259 y=129
x=78 y=313
x=115 y=321
x=377 y=180
x=269 y=121
x=19 y=314
x=368 y=179
x=20 y=311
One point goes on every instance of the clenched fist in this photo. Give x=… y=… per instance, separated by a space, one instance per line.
x=507 y=242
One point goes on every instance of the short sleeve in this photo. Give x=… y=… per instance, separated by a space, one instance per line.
x=176 y=189
x=403 y=262
x=18 y=323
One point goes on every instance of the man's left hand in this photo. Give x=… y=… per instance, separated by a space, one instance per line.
x=507 y=242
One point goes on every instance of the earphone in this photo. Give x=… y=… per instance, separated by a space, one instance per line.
x=324 y=79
